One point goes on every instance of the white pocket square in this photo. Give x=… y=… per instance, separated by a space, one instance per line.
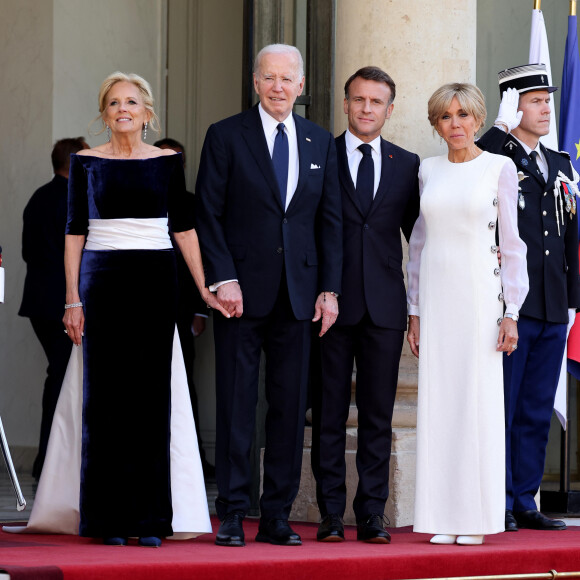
x=314 y=166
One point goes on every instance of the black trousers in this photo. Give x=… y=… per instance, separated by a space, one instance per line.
x=239 y=342
x=377 y=352
x=57 y=347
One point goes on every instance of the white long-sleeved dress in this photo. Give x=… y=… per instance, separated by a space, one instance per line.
x=455 y=286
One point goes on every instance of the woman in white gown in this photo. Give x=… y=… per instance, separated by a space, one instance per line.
x=456 y=304
x=137 y=472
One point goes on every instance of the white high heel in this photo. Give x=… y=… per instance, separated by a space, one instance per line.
x=470 y=540
x=443 y=539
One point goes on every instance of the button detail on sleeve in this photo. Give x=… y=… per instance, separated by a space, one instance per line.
x=491 y=225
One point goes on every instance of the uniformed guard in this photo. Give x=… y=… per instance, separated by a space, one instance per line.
x=548 y=225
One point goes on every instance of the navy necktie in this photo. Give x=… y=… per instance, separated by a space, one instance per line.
x=536 y=167
x=365 y=178
x=280 y=157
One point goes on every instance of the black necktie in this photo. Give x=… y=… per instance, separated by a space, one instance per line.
x=365 y=178
x=280 y=157
x=535 y=166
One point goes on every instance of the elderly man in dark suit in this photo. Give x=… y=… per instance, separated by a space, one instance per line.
x=548 y=224
x=270 y=228
x=380 y=197
x=44 y=285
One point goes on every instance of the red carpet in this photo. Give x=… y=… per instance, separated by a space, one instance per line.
x=38 y=557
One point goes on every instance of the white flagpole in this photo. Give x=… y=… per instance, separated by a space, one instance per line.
x=540 y=53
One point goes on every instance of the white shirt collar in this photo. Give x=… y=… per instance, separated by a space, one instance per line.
x=352 y=143
x=270 y=124
x=527 y=149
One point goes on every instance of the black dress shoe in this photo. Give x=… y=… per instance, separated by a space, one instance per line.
x=534 y=520
x=277 y=532
x=331 y=529
x=511 y=525
x=231 y=532
x=371 y=530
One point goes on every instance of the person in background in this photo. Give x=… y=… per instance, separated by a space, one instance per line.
x=456 y=298
x=191 y=318
x=44 y=222
x=548 y=224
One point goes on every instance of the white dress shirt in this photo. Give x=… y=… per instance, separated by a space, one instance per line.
x=354 y=156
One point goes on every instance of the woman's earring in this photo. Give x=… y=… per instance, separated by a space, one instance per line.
x=108 y=133
x=145 y=131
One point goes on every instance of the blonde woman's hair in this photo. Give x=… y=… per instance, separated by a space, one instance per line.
x=470 y=99
x=144 y=89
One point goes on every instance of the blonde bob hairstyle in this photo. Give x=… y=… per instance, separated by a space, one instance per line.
x=470 y=99
x=144 y=89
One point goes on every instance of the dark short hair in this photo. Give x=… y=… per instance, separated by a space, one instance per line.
x=62 y=151
x=169 y=142
x=372 y=73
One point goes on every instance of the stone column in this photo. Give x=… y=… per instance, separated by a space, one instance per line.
x=422 y=45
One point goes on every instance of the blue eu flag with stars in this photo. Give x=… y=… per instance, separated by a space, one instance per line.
x=570 y=142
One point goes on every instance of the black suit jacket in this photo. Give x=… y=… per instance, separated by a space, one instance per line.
x=552 y=258
x=43 y=251
x=373 y=256
x=245 y=233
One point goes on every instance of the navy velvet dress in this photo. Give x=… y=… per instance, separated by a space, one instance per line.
x=129 y=298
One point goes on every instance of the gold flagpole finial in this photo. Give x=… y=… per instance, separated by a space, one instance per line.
x=572 y=7
x=537 y=4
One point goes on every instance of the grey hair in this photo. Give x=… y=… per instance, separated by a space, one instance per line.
x=280 y=49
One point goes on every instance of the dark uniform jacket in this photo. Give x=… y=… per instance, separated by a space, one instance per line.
x=552 y=257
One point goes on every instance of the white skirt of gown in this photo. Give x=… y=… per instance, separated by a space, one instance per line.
x=56 y=504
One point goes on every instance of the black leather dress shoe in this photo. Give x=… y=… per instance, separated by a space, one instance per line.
x=534 y=520
x=511 y=525
x=277 y=532
x=231 y=532
x=371 y=530
x=331 y=529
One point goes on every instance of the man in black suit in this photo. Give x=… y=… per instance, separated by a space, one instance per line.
x=44 y=286
x=547 y=223
x=270 y=228
x=380 y=197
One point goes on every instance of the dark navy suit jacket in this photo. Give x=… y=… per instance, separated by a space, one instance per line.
x=244 y=232
x=552 y=258
x=373 y=256
x=43 y=251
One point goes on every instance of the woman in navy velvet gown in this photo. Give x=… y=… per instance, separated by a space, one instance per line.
x=121 y=298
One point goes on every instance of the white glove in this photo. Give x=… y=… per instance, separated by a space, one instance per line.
x=508 y=114
x=571 y=319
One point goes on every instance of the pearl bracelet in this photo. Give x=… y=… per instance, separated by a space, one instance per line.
x=73 y=305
